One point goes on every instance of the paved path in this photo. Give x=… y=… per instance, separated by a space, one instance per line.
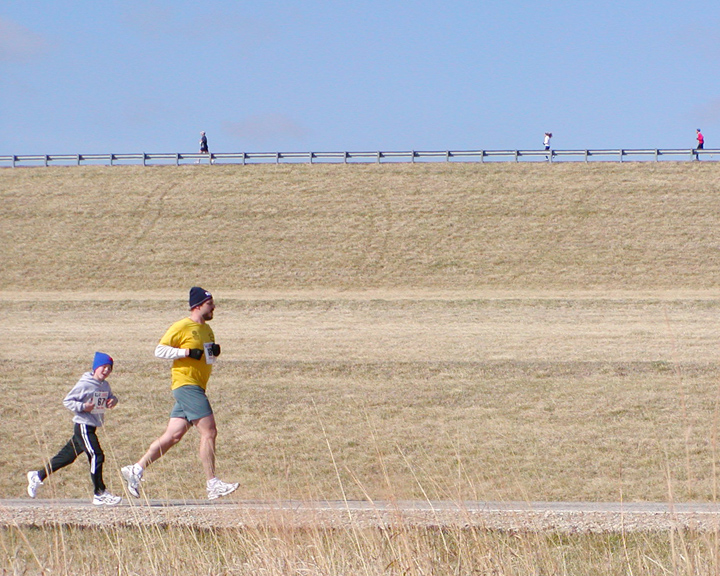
x=566 y=517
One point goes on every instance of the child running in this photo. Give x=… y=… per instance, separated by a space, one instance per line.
x=88 y=400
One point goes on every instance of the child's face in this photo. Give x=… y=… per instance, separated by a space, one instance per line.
x=102 y=372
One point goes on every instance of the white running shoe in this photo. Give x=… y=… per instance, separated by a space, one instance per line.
x=133 y=476
x=106 y=499
x=34 y=483
x=217 y=488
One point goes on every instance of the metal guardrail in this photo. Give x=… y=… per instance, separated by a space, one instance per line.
x=618 y=155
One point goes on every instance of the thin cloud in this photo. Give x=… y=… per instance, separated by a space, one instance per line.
x=708 y=112
x=18 y=43
x=157 y=22
x=266 y=128
x=151 y=20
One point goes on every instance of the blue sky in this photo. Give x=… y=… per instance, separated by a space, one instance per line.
x=99 y=77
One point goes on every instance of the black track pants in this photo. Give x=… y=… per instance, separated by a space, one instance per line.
x=84 y=440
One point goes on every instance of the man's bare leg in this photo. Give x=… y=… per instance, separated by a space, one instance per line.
x=176 y=429
x=208 y=433
x=132 y=474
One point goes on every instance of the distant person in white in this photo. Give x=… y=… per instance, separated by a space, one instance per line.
x=546 y=143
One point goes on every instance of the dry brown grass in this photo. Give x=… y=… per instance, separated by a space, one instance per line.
x=451 y=227
x=445 y=331
x=395 y=550
x=480 y=399
x=462 y=331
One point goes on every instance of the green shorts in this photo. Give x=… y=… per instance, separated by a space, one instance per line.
x=191 y=403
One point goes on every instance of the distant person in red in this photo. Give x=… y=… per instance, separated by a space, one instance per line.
x=700 y=143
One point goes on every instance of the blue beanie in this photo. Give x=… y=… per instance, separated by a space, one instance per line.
x=100 y=360
x=198 y=296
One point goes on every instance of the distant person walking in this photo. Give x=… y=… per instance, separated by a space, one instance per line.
x=88 y=400
x=546 y=143
x=700 y=143
x=204 y=147
x=190 y=344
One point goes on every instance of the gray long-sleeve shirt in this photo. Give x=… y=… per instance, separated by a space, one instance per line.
x=88 y=388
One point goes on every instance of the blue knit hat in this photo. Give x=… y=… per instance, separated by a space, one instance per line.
x=100 y=360
x=198 y=296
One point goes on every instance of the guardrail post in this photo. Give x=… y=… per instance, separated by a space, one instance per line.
x=586 y=156
x=378 y=157
x=79 y=157
x=144 y=156
x=177 y=159
x=482 y=156
x=277 y=157
x=656 y=154
x=243 y=157
x=622 y=153
x=46 y=160
x=412 y=156
x=13 y=160
x=447 y=155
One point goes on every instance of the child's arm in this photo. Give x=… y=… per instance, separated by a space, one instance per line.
x=79 y=399
x=77 y=405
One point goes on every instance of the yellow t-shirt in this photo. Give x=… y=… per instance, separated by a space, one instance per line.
x=186 y=333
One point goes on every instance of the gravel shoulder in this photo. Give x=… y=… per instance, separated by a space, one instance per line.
x=556 y=517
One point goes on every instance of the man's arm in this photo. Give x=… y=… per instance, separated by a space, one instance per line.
x=169 y=352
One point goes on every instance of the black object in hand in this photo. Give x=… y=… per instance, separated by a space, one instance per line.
x=195 y=353
x=216 y=349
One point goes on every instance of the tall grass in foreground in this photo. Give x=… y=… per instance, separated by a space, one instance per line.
x=351 y=550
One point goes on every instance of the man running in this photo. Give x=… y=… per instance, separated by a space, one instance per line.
x=190 y=344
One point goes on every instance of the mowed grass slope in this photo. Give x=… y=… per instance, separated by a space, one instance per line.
x=467 y=226
x=453 y=331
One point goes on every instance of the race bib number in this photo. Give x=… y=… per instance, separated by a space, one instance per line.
x=100 y=400
x=209 y=358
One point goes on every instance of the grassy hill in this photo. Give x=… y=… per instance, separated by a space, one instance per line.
x=431 y=226
x=463 y=331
